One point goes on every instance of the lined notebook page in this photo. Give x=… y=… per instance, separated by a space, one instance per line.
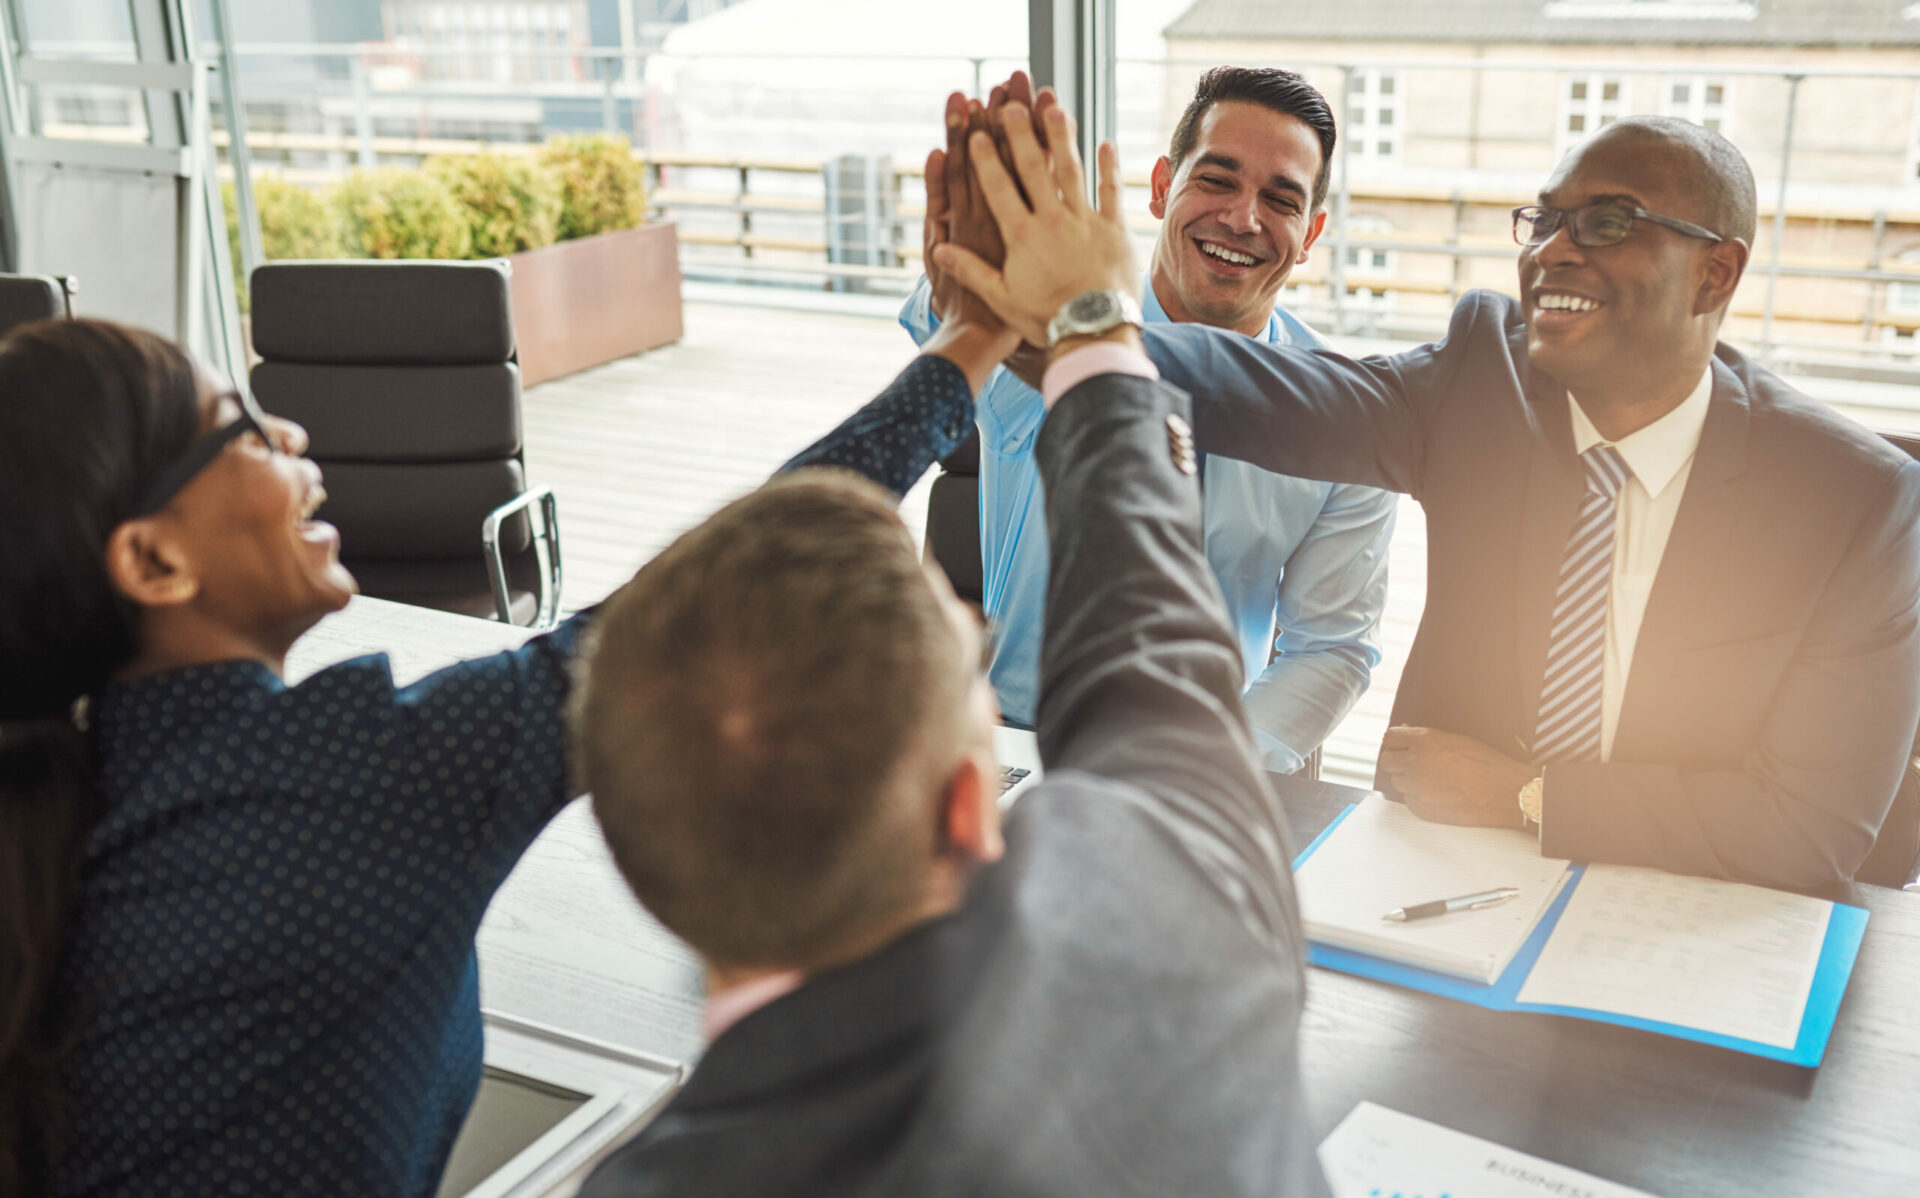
x=1382 y=856
x=1718 y=956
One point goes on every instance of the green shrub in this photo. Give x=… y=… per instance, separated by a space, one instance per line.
x=295 y=222
x=511 y=203
x=393 y=212
x=602 y=186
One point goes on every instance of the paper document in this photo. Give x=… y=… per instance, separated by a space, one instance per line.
x=1382 y=856
x=1381 y=1153
x=1718 y=956
x=565 y=944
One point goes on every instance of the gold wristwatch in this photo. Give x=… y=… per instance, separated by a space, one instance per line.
x=1530 y=795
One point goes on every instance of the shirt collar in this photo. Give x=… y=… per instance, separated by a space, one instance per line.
x=1151 y=310
x=1654 y=453
x=728 y=1007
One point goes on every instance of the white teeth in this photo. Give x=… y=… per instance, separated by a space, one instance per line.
x=315 y=498
x=1554 y=301
x=1226 y=255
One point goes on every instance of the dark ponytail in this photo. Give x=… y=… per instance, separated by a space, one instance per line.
x=90 y=413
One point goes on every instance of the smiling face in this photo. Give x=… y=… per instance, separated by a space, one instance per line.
x=1236 y=216
x=1639 y=318
x=263 y=565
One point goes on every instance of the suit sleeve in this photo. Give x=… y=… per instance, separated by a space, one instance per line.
x=1803 y=811
x=1140 y=676
x=1313 y=413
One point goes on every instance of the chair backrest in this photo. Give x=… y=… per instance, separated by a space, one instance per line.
x=953 y=520
x=404 y=375
x=27 y=298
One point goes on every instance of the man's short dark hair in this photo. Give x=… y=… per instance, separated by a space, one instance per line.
x=1270 y=87
x=1725 y=186
x=754 y=714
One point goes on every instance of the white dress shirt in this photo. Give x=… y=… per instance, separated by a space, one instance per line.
x=1659 y=457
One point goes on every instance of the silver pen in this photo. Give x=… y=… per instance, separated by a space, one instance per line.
x=1466 y=902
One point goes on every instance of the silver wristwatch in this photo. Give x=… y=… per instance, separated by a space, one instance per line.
x=1091 y=313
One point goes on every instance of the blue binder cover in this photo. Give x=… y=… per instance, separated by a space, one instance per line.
x=1844 y=931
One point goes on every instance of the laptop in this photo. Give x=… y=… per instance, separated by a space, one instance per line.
x=1019 y=754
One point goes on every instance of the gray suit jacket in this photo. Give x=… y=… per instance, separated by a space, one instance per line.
x=1775 y=687
x=1113 y=1011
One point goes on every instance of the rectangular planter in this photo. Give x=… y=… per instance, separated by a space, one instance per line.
x=582 y=303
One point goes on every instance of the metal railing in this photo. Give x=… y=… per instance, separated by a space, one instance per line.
x=1824 y=266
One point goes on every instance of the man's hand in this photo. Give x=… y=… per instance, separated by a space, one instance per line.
x=1057 y=244
x=970 y=336
x=1454 y=779
x=957 y=213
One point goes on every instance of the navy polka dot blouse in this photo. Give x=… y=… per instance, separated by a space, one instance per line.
x=272 y=957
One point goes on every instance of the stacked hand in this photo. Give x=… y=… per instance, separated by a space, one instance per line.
x=1056 y=244
x=1009 y=234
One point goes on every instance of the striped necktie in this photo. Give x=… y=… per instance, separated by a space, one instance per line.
x=1568 y=727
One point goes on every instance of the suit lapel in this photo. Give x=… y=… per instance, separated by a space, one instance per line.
x=1695 y=558
x=1555 y=486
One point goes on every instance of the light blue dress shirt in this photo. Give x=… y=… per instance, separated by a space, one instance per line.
x=1302 y=564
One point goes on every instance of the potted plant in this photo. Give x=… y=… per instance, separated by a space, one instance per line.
x=610 y=287
x=591 y=280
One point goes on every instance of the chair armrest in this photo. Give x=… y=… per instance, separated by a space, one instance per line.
x=546 y=548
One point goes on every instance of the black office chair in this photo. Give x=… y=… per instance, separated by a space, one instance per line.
x=404 y=374
x=27 y=298
x=1895 y=859
x=953 y=521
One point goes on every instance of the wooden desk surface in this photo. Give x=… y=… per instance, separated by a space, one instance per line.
x=1669 y=1116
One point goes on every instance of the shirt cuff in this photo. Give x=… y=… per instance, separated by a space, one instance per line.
x=1100 y=357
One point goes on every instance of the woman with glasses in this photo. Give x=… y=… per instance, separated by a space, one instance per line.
x=237 y=918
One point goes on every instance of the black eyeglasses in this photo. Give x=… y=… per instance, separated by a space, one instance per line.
x=1594 y=224
x=200 y=455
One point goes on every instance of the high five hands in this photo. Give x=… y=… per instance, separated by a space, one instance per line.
x=1009 y=234
x=1056 y=243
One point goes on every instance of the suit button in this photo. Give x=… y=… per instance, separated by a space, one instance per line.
x=1180 y=443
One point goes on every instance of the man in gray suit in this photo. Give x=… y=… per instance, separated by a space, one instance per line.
x=1671 y=601
x=788 y=735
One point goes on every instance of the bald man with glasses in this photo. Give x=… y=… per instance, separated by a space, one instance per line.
x=1670 y=612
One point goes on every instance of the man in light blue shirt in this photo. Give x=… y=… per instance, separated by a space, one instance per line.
x=1303 y=565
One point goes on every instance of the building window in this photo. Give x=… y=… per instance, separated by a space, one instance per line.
x=1369 y=262
x=1376 y=115
x=1590 y=102
x=1701 y=99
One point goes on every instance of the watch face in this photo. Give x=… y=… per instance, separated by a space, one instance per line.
x=1090 y=306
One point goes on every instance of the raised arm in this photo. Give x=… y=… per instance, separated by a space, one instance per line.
x=1140 y=676
x=1313 y=413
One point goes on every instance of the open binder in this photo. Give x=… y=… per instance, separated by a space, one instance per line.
x=1816 y=992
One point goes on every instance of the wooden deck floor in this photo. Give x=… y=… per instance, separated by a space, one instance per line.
x=642 y=449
